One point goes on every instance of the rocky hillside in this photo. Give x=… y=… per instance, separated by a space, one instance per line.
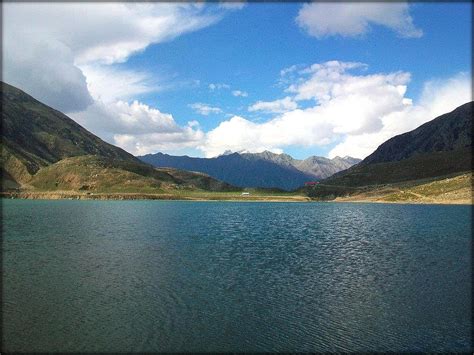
x=439 y=148
x=449 y=132
x=314 y=166
x=44 y=149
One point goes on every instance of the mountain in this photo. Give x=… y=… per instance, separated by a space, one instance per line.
x=316 y=167
x=266 y=169
x=46 y=150
x=438 y=148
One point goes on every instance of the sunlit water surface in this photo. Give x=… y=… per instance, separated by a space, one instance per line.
x=148 y=276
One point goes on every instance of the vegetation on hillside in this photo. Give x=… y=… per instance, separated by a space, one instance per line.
x=46 y=154
x=439 y=148
x=452 y=189
x=44 y=150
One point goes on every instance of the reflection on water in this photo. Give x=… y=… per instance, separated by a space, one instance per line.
x=144 y=276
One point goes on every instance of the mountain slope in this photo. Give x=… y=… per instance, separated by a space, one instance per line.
x=266 y=169
x=449 y=132
x=39 y=135
x=44 y=149
x=441 y=147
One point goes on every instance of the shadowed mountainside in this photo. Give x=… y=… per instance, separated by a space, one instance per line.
x=439 y=148
x=46 y=150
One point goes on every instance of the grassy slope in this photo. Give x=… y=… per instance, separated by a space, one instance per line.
x=35 y=135
x=420 y=166
x=433 y=151
x=447 y=190
x=102 y=175
x=44 y=150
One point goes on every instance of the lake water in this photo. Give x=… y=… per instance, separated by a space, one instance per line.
x=149 y=276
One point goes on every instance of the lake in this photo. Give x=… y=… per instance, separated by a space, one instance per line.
x=155 y=276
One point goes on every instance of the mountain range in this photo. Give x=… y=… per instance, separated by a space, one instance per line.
x=43 y=150
x=264 y=170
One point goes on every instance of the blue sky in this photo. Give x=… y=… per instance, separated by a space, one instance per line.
x=195 y=87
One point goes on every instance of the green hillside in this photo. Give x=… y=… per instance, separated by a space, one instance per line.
x=44 y=150
x=435 y=150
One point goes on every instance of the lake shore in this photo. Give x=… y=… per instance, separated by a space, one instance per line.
x=73 y=195
x=401 y=202
x=448 y=190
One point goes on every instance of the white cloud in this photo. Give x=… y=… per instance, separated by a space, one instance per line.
x=48 y=52
x=64 y=53
x=289 y=70
x=193 y=123
x=355 y=19
x=108 y=83
x=438 y=97
x=237 y=5
x=204 y=109
x=107 y=32
x=138 y=128
x=292 y=128
x=68 y=64
x=277 y=106
x=240 y=93
x=358 y=110
x=159 y=141
x=218 y=86
x=45 y=70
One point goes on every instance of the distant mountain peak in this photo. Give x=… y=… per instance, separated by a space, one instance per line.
x=264 y=169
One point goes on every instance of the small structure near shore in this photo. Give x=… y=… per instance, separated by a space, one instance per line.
x=311 y=183
x=245 y=193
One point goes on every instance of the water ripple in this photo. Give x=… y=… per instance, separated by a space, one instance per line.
x=149 y=276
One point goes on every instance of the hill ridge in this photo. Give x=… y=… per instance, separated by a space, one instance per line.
x=43 y=148
x=438 y=148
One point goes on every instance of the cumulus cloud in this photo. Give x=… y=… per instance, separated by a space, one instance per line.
x=355 y=19
x=292 y=128
x=159 y=141
x=47 y=50
x=351 y=108
x=45 y=70
x=204 y=109
x=71 y=64
x=107 y=32
x=137 y=127
x=438 y=97
x=277 y=106
x=240 y=93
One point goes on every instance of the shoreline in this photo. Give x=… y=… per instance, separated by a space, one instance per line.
x=422 y=202
x=130 y=196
